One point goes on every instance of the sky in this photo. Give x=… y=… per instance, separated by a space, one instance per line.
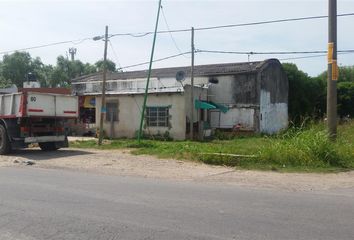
x=31 y=23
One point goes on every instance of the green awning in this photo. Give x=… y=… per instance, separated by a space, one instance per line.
x=203 y=105
x=222 y=108
x=210 y=105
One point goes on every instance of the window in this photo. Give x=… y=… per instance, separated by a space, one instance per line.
x=157 y=116
x=112 y=112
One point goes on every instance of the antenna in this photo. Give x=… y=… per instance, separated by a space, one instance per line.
x=72 y=52
x=180 y=76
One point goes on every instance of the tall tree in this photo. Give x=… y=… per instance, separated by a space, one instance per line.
x=16 y=66
x=306 y=94
x=111 y=66
x=65 y=70
x=346 y=99
x=346 y=74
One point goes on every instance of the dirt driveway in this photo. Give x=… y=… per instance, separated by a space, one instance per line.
x=120 y=162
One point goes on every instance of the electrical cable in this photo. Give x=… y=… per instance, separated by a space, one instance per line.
x=143 y=34
x=156 y=60
x=168 y=28
x=282 y=59
x=314 y=56
x=269 y=53
x=115 y=54
x=75 y=42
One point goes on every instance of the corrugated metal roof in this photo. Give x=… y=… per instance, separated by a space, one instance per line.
x=201 y=70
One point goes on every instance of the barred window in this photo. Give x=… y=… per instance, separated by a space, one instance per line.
x=112 y=112
x=157 y=116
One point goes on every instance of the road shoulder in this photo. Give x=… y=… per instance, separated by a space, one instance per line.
x=121 y=162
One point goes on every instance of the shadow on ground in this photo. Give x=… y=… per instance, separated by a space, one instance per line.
x=38 y=154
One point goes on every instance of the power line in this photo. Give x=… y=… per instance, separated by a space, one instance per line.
x=314 y=56
x=168 y=28
x=75 y=42
x=114 y=54
x=282 y=59
x=273 y=21
x=268 y=53
x=143 y=34
x=302 y=57
x=156 y=60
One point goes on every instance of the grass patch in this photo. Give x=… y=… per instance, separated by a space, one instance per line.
x=296 y=150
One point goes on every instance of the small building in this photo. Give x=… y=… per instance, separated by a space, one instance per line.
x=251 y=96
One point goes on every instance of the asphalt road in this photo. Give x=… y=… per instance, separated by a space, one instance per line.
x=56 y=204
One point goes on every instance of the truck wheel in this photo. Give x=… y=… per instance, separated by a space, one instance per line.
x=5 y=145
x=48 y=146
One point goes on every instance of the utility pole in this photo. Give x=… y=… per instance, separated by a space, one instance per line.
x=191 y=118
x=103 y=99
x=332 y=70
x=72 y=52
x=149 y=74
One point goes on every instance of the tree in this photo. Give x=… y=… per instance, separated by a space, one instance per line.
x=15 y=68
x=65 y=70
x=346 y=99
x=111 y=66
x=345 y=92
x=306 y=94
x=4 y=83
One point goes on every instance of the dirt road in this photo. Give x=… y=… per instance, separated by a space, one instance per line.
x=120 y=162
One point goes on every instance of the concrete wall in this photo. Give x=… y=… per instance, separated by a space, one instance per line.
x=273 y=98
x=129 y=114
x=274 y=115
x=199 y=94
x=243 y=116
x=239 y=92
x=235 y=89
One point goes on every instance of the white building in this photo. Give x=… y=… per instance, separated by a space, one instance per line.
x=248 y=96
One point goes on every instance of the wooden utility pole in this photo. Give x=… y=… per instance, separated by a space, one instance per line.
x=332 y=70
x=191 y=118
x=103 y=99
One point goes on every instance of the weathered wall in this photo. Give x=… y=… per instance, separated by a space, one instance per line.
x=199 y=94
x=238 y=92
x=273 y=98
x=129 y=114
x=243 y=116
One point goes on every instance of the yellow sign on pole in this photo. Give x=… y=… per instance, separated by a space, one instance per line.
x=335 y=70
x=330 y=52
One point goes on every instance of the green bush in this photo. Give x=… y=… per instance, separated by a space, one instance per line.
x=307 y=148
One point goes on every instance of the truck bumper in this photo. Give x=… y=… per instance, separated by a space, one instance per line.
x=45 y=139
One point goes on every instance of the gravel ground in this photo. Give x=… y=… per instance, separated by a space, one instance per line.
x=120 y=162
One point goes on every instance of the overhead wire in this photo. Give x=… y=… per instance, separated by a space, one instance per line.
x=168 y=28
x=143 y=34
x=282 y=59
x=156 y=60
x=75 y=42
x=313 y=56
x=115 y=54
x=270 y=52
